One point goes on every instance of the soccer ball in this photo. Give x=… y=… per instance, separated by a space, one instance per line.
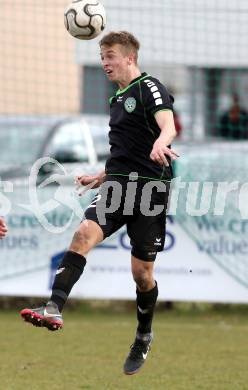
x=85 y=19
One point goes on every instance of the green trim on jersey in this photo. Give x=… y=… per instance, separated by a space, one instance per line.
x=138 y=177
x=164 y=109
x=110 y=99
x=162 y=174
x=120 y=91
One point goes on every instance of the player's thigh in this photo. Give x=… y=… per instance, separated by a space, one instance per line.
x=147 y=236
x=147 y=231
x=99 y=208
x=87 y=236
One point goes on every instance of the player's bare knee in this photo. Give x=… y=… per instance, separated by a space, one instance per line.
x=142 y=278
x=82 y=240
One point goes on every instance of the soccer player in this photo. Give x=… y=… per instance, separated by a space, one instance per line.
x=141 y=131
x=3 y=228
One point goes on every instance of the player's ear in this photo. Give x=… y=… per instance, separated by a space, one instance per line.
x=131 y=58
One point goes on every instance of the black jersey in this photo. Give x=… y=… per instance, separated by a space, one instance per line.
x=133 y=128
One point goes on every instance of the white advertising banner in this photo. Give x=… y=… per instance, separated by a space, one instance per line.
x=187 y=270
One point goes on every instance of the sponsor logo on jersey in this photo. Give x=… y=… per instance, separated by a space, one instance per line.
x=130 y=104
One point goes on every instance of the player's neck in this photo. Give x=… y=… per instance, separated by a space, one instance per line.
x=131 y=75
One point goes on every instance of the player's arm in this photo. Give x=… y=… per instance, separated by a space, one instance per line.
x=3 y=228
x=159 y=103
x=165 y=121
x=94 y=180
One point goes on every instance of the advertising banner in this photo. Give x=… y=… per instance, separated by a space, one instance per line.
x=204 y=259
x=187 y=270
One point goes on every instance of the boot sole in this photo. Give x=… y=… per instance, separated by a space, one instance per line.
x=40 y=321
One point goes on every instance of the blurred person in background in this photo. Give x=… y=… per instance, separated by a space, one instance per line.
x=233 y=123
x=3 y=228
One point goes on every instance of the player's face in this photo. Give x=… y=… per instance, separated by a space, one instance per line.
x=115 y=63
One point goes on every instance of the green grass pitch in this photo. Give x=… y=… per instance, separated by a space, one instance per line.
x=196 y=350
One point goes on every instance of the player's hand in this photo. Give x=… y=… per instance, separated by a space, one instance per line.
x=3 y=228
x=90 y=181
x=86 y=180
x=160 y=151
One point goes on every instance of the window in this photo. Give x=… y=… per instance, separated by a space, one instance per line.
x=96 y=91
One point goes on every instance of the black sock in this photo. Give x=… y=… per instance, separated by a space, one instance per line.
x=68 y=273
x=146 y=302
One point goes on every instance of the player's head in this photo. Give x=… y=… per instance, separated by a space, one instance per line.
x=119 y=53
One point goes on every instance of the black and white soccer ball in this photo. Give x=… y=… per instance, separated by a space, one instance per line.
x=85 y=19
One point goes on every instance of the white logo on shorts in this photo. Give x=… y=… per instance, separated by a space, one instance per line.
x=98 y=197
x=158 y=242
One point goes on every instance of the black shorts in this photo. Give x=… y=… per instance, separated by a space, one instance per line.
x=132 y=207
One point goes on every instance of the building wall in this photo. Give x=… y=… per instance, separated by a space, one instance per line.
x=38 y=73
x=40 y=64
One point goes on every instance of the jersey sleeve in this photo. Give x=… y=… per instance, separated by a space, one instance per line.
x=156 y=96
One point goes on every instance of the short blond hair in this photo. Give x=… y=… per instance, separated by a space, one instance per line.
x=123 y=38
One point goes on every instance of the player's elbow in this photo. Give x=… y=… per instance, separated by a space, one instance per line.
x=173 y=132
